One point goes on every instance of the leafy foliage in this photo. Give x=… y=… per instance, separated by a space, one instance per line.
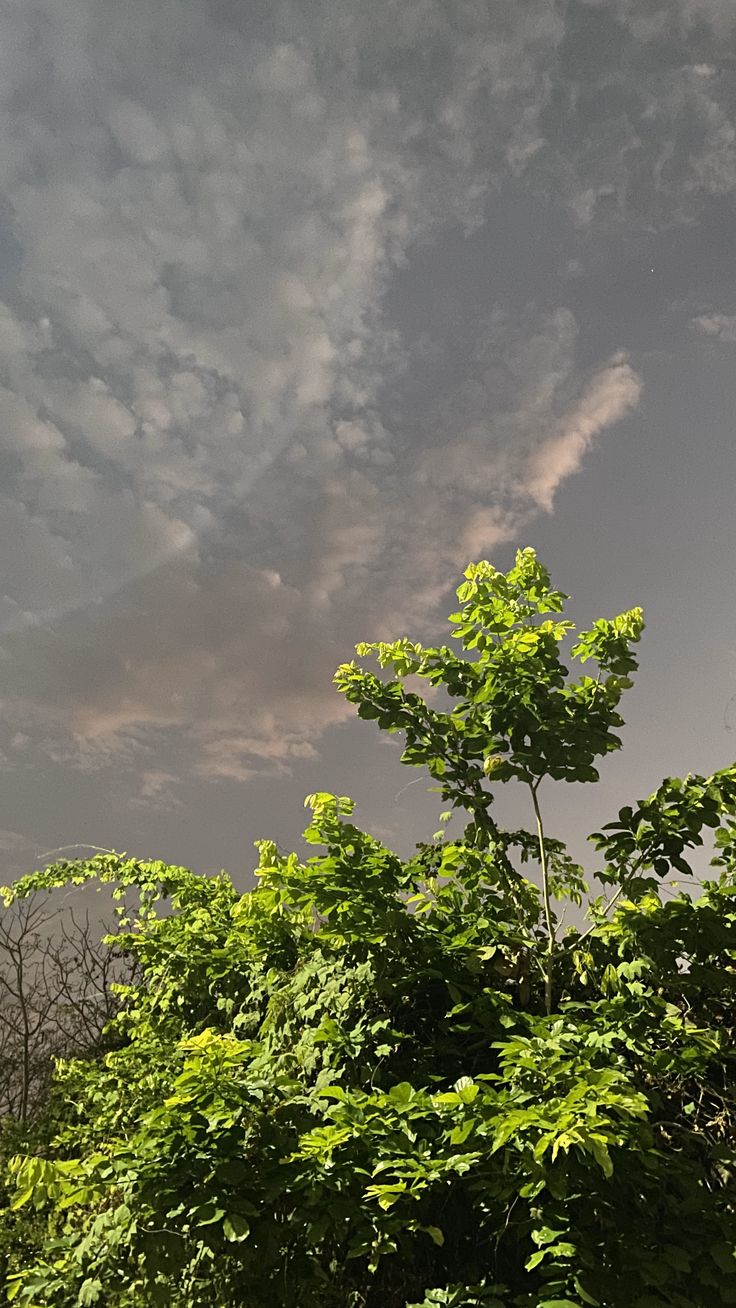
x=383 y=1082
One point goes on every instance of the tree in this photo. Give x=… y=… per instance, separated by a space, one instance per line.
x=55 y=997
x=374 y=1081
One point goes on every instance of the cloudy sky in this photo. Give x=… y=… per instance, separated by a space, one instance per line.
x=304 y=304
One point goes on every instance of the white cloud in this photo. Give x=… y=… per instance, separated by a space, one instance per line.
x=610 y=396
x=721 y=326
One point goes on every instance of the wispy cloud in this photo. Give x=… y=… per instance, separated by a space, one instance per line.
x=612 y=394
x=156 y=791
x=721 y=326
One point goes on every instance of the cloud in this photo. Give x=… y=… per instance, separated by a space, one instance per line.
x=221 y=652
x=12 y=842
x=209 y=491
x=610 y=396
x=157 y=791
x=522 y=424
x=721 y=326
x=208 y=254
x=235 y=658
x=638 y=125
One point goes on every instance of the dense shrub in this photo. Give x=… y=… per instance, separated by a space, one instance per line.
x=402 y=1083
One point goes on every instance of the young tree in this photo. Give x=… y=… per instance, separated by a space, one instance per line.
x=399 y=1083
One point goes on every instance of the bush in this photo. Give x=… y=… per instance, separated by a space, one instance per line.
x=399 y=1083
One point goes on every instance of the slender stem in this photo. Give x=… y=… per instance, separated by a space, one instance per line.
x=508 y=879
x=25 y=1088
x=614 y=899
x=508 y=872
x=551 y=942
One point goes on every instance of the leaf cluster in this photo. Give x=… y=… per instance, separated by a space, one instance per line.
x=375 y=1082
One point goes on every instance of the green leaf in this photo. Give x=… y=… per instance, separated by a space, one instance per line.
x=22 y=1197
x=435 y=1234
x=236 y=1228
x=535 y=1259
x=402 y=1093
x=89 y=1292
x=557 y=1303
x=466 y=1089
x=546 y=1235
x=460 y=1133
x=584 y=1295
x=724 y=1255
x=602 y=1157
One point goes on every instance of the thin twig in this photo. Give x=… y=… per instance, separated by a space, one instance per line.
x=551 y=939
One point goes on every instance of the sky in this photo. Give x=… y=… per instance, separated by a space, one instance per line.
x=304 y=304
